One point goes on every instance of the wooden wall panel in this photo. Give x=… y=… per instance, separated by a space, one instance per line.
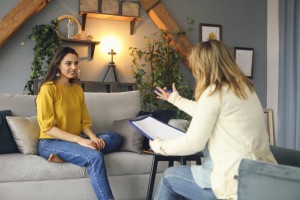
x=164 y=21
x=18 y=16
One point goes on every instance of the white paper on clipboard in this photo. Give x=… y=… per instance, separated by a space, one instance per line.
x=153 y=128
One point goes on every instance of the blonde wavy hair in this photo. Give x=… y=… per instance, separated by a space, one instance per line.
x=212 y=63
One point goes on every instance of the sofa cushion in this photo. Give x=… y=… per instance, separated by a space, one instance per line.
x=19 y=104
x=25 y=131
x=104 y=108
x=132 y=140
x=7 y=142
x=19 y=167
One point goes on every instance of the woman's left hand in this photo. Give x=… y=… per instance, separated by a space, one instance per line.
x=99 y=142
x=163 y=94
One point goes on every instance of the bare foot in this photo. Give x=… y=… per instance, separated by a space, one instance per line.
x=55 y=158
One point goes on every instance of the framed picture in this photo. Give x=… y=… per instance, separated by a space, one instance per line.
x=244 y=59
x=210 y=32
x=270 y=124
x=88 y=6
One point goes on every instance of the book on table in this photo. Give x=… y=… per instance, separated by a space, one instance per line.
x=153 y=128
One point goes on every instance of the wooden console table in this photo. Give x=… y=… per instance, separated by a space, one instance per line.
x=96 y=86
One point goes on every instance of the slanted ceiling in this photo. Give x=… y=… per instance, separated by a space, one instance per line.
x=26 y=9
x=18 y=16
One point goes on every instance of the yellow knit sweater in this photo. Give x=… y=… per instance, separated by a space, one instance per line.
x=61 y=106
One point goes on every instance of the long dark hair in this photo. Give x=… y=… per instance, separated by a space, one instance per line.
x=56 y=60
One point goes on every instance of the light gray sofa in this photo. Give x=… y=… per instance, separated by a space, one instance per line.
x=31 y=177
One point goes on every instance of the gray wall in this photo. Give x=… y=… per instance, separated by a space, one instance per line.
x=244 y=24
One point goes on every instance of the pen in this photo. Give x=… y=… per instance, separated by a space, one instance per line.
x=168 y=91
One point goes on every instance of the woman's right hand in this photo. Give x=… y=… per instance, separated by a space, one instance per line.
x=87 y=143
x=163 y=94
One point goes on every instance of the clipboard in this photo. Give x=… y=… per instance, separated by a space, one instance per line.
x=153 y=128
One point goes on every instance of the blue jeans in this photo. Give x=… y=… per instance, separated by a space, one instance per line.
x=178 y=182
x=87 y=157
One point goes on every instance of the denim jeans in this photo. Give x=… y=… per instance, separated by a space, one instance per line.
x=79 y=155
x=178 y=182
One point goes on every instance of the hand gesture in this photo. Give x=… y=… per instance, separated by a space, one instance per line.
x=99 y=142
x=87 y=143
x=163 y=94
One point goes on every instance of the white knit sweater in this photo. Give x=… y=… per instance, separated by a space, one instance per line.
x=232 y=127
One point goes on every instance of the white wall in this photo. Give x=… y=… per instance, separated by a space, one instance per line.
x=273 y=58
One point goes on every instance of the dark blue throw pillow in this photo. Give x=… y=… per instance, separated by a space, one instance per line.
x=161 y=115
x=7 y=142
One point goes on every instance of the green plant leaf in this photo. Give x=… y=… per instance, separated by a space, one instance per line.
x=47 y=42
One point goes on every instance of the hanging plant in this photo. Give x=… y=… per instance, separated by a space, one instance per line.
x=47 y=42
x=157 y=65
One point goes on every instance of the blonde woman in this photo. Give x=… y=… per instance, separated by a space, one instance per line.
x=227 y=125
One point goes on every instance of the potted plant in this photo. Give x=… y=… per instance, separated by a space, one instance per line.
x=158 y=65
x=47 y=42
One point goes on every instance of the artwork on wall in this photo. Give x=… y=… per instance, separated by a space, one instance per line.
x=210 y=32
x=244 y=59
x=110 y=7
x=268 y=113
x=89 y=6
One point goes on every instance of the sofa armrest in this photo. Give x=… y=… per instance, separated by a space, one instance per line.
x=286 y=156
x=261 y=181
x=181 y=124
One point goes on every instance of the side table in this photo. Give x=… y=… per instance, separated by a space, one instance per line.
x=158 y=157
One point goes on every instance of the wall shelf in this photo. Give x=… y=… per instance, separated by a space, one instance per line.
x=92 y=44
x=95 y=86
x=132 y=20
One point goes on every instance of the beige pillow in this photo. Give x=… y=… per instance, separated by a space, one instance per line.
x=26 y=132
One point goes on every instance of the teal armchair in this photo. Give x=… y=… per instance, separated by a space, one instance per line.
x=263 y=181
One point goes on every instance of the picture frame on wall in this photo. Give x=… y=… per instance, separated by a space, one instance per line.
x=269 y=119
x=210 y=32
x=89 y=6
x=244 y=58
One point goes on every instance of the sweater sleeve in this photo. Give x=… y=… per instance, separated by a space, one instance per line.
x=45 y=108
x=186 y=105
x=85 y=117
x=202 y=124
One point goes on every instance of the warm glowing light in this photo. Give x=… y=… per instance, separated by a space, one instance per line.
x=110 y=42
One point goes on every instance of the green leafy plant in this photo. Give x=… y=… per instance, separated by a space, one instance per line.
x=157 y=65
x=47 y=42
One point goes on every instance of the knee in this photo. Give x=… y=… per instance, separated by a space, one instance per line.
x=115 y=138
x=96 y=156
x=170 y=171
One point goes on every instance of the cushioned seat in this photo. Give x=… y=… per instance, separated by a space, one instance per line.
x=261 y=181
x=20 y=167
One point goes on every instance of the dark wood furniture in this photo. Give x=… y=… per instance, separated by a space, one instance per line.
x=132 y=20
x=92 y=44
x=96 y=86
x=158 y=157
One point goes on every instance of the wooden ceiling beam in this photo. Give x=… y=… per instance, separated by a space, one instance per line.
x=18 y=16
x=164 y=21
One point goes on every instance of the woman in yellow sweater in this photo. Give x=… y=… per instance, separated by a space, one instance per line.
x=63 y=117
x=227 y=125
